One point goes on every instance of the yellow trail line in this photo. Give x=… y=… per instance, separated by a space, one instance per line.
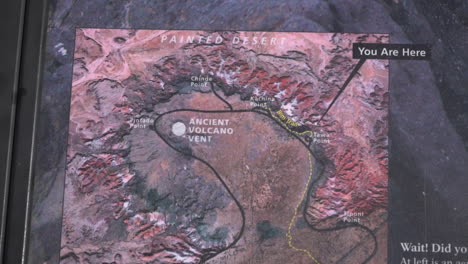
x=289 y=234
x=296 y=210
x=285 y=126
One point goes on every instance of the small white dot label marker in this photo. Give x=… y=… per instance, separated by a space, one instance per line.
x=178 y=129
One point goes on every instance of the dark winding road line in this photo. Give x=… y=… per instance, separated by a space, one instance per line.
x=220 y=98
x=260 y=111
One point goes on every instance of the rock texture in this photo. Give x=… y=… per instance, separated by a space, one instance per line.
x=427 y=99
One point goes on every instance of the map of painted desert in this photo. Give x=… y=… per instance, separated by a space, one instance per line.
x=226 y=147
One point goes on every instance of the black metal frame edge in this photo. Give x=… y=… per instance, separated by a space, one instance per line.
x=11 y=29
x=25 y=106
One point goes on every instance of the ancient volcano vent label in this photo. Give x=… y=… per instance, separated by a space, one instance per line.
x=203 y=129
x=226 y=147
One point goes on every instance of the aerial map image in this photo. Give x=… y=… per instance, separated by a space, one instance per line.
x=226 y=147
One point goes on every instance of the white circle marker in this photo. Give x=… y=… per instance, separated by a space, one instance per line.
x=178 y=129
